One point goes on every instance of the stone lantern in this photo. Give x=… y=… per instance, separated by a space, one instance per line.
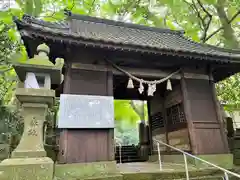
x=28 y=160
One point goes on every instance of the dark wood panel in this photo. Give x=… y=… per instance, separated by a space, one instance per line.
x=91 y=83
x=206 y=125
x=156 y=104
x=219 y=115
x=62 y=146
x=156 y=122
x=188 y=114
x=176 y=127
x=209 y=141
x=111 y=154
x=67 y=80
x=88 y=145
x=173 y=97
x=158 y=131
x=201 y=97
x=207 y=136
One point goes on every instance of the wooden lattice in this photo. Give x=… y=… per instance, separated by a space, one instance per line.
x=175 y=114
x=157 y=121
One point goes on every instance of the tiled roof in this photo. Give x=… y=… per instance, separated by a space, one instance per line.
x=124 y=34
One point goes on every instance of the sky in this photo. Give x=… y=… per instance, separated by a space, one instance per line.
x=5 y=4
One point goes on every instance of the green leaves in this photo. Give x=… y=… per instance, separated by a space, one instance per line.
x=209 y=2
x=124 y=111
x=228 y=90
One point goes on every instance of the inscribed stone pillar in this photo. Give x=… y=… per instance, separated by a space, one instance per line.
x=31 y=143
x=29 y=159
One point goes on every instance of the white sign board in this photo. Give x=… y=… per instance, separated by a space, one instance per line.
x=85 y=111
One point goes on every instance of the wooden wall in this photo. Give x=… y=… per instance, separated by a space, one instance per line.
x=87 y=82
x=201 y=132
x=87 y=145
x=205 y=128
x=177 y=130
x=163 y=126
x=199 y=128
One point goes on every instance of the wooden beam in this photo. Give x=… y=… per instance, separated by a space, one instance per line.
x=139 y=72
x=188 y=115
x=195 y=76
x=150 y=125
x=219 y=114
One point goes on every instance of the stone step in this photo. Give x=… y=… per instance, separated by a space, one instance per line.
x=204 y=178
x=150 y=177
x=127 y=154
x=115 y=177
x=125 y=177
x=173 y=176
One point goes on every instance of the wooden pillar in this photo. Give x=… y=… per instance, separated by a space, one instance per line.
x=205 y=129
x=188 y=115
x=165 y=124
x=156 y=123
x=80 y=145
x=150 y=127
x=219 y=114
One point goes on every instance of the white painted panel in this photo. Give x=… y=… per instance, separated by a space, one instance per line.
x=84 y=111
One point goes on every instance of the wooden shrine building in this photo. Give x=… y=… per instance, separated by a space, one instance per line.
x=103 y=56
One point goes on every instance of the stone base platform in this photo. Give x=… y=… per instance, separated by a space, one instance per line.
x=27 y=169
x=134 y=171
x=151 y=171
x=222 y=160
x=88 y=171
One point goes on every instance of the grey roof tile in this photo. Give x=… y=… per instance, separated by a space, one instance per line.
x=127 y=34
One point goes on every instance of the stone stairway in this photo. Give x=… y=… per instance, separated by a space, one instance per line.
x=128 y=154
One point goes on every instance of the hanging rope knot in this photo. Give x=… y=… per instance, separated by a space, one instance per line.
x=151 y=84
x=141 y=87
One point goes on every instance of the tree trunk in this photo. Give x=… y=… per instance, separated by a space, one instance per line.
x=230 y=41
x=140 y=111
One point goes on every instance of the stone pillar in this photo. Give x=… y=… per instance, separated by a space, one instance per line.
x=31 y=144
x=144 y=141
x=141 y=127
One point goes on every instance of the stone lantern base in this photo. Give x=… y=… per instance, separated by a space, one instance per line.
x=27 y=169
x=28 y=160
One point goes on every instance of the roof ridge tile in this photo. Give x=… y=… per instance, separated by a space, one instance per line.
x=120 y=24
